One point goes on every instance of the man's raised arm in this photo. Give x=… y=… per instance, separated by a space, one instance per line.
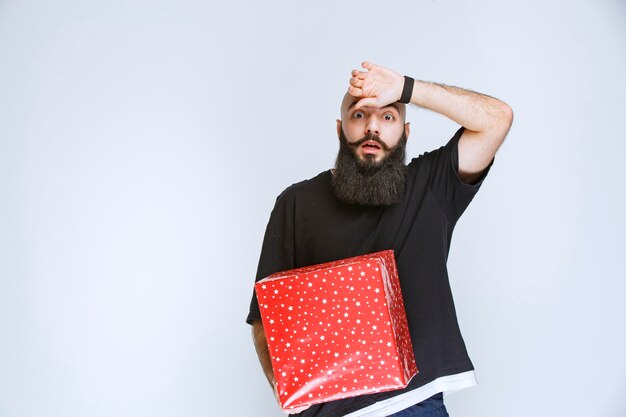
x=486 y=119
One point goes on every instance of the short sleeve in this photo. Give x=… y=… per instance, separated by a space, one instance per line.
x=453 y=195
x=277 y=251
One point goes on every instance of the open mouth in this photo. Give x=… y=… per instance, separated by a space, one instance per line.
x=371 y=146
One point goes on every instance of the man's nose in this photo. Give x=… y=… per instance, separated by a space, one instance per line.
x=372 y=127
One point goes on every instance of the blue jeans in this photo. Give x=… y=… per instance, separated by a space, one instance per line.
x=430 y=407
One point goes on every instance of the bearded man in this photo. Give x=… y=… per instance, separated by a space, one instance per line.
x=373 y=201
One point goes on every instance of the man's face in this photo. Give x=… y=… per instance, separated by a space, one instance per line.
x=370 y=168
x=374 y=131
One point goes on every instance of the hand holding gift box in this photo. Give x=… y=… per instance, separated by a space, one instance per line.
x=336 y=330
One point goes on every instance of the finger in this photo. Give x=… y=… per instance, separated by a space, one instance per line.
x=356 y=82
x=359 y=74
x=367 y=65
x=276 y=394
x=356 y=92
x=366 y=102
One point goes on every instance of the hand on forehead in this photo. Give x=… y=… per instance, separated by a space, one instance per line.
x=374 y=86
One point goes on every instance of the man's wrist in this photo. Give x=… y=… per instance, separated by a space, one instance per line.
x=407 y=90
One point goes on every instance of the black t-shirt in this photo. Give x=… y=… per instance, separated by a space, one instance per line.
x=309 y=225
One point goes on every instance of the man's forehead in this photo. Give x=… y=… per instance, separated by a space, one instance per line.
x=394 y=105
x=350 y=101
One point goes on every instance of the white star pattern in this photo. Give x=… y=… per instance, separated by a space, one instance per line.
x=313 y=348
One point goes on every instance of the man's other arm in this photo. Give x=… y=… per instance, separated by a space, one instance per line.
x=260 y=344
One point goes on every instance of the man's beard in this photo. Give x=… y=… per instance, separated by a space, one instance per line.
x=368 y=182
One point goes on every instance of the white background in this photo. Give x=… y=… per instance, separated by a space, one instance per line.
x=143 y=143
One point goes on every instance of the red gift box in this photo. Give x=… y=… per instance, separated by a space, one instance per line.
x=336 y=330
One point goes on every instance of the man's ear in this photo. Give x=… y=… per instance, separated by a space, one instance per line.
x=338 y=128
x=407 y=129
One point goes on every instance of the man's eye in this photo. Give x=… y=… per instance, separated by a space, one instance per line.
x=358 y=115
x=388 y=117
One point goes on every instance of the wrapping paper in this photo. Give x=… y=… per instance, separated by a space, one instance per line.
x=336 y=330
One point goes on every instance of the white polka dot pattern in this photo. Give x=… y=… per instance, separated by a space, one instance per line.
x=336 y=330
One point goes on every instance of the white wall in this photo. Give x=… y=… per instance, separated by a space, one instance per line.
x=142 y=145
